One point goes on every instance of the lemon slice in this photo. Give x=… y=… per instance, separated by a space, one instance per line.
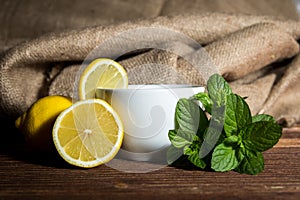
x=88 y=134
x=103 y=73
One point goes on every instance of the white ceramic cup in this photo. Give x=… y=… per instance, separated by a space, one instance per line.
x=147 y=113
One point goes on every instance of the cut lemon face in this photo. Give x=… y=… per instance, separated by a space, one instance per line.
x=88 y=134
x=103 y=73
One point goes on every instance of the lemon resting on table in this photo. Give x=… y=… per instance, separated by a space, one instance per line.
x=37 y=122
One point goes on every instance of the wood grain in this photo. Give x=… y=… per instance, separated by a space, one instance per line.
x=28 y=175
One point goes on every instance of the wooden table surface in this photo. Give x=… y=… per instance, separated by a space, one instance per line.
x=28 y=175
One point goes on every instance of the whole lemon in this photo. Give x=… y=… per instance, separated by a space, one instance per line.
x=37 y=123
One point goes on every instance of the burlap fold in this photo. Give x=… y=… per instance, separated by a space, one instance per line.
x=239 y=46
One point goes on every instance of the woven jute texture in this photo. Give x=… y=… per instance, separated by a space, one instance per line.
x=257 y=54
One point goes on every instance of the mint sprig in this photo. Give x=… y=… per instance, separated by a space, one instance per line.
x=229 y=139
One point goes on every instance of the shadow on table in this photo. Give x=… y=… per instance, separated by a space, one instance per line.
x=12 y=144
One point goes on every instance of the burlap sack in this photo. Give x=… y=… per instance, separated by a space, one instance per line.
x=24 y=20
x=239 y=45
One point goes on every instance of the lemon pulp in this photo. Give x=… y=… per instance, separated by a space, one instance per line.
x=88 y=134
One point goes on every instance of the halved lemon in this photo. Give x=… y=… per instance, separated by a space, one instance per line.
x=88 y=134
x=103 y=73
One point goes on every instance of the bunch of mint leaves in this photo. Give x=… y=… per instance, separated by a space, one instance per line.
x=225 y=136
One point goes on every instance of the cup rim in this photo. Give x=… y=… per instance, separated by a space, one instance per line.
x=155 y=87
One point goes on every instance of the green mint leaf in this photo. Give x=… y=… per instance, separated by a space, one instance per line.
x=192 y=151
x=214 y=132
x=172 y=134
x=173 y=154
x=218 y=89
x=232 y=140
x=218 y=116
x=263 y=117
x=180 y=138
x=224 y=158
x=252 y=163
x=187 y=116
x=203 y=124
x=237 y=115
x=195 y=146
x=205 y=100
x=212 y=137
x=196 y=160
x=261 y=136
x=187 y=150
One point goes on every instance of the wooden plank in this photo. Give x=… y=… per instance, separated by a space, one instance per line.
x=287 y=142
x=290 y=138
x=26 y=177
